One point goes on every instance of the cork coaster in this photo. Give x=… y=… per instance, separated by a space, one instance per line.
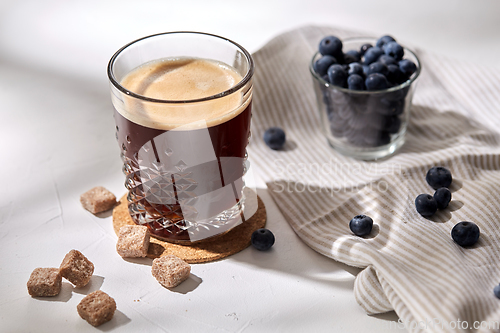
x=214 y=248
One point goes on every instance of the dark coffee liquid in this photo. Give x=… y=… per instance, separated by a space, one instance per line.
x=229 y=140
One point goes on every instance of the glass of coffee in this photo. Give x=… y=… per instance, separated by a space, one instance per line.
x=182 y=105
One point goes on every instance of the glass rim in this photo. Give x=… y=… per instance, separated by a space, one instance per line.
x=405 y=84
x=224 y=93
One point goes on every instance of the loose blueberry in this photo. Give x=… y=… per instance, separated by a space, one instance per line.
x=394 y=50
x=364 y=48
x=361 y=225
x=274 y=138
x=408 y=67
x=465 y=233
x=426 y=205
x=496 y=291
x=438 y=177
x=395 y=74
x=383 y=40
x=352 y=56
x=387 y=60
x=372 y=55
x=376 y=81
x=262 y=239
x=337 y=75
x=355 y=68
x=355 y=82
x=321 y=65
x=331 y=45
x=378 y=67
x=442 y=197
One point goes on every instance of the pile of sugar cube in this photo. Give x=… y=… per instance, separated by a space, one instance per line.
x=169 y=270
x=133 y=240
x=96 y=308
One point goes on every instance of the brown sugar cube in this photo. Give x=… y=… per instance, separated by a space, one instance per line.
x=97 y=308
x=76 y=268
x=170 y=270
x=98 y=200
x=44 y=282
x=133 y=241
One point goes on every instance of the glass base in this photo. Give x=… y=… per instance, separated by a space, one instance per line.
x=368 y=154
x=171 y=228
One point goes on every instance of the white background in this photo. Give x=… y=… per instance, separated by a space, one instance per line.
x=57 y=141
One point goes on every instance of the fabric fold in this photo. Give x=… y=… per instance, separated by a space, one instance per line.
x=410 y=263
x=369 y=292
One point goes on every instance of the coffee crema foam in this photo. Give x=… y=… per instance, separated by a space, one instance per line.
x=182 y=79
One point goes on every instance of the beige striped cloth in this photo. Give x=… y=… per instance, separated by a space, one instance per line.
x=411 y=264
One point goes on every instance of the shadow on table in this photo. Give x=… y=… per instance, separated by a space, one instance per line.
x=192 y=282
x=292 y=256
x=95 y=284
x=140 y=261
x=119 y=319
x=388 y=316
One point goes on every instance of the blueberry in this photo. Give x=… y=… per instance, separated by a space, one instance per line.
x=375 y=137
x=426 y=205
x=438 y=177
x=372 y=55
x=355 y=82
x=391 y=124
x=408 y=67
x=321 y=65
x=337 y=75
x=394 y=50
x=397 y=95
x=262 y=239
x=496 y=291
x=364 y=48
x=442 y=197
x=352 y=56
x=465 y=233
x=365 y=70
x=395 y=74
x=389 y=108
x=275 y=138
x=387 y=60
x=384 y=40
x=361 y=225
x=355 y=68
x=376 y=81
x=378 y=67
x=331 y=45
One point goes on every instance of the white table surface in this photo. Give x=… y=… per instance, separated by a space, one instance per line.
x=57 y=141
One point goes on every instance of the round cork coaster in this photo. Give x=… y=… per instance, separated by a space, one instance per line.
x=214 y=248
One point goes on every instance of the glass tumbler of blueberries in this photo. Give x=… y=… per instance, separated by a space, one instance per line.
x=364 y=87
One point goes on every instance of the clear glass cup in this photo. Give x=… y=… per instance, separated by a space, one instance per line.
x=365 y=125
x=184 y=180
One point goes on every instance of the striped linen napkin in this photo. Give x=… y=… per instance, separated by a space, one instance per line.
x=410 y=263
